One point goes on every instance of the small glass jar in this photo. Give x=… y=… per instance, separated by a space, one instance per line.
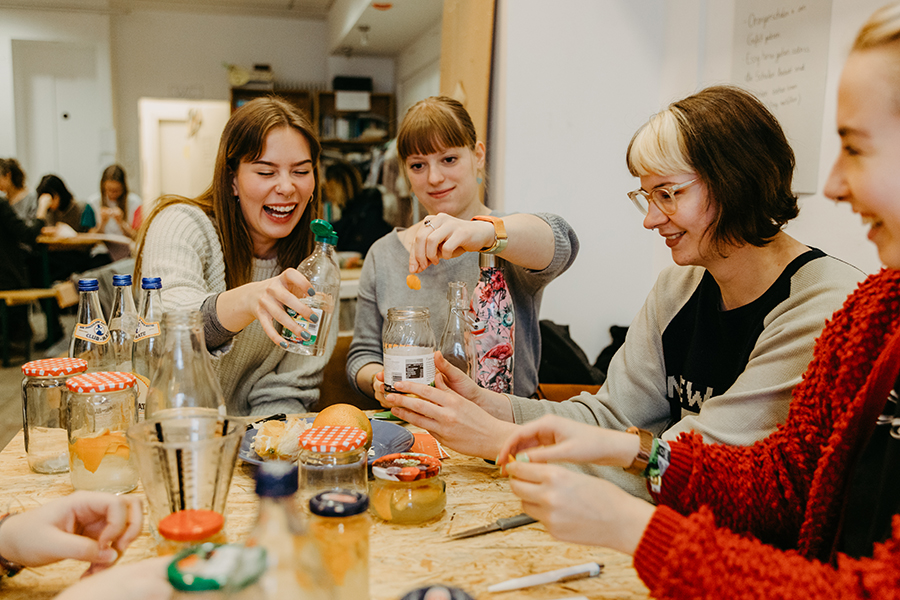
x=100 y=407
x=216 y=572
x=408 y=343
x=184 y=529
x=44 y=412
x=340 y=525
x=406 y=488
x=332 y=458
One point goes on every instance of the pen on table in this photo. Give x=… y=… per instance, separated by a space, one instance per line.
x=568 y=574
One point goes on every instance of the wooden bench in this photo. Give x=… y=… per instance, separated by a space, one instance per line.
x=61 y=293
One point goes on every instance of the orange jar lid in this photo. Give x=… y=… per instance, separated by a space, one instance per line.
x=333 y=438
x=191 y=525
x=104 y=381
x=54 y=367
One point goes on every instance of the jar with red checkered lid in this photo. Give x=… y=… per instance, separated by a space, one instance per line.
x=332 y=458
x=44 y=412
x=100 y=409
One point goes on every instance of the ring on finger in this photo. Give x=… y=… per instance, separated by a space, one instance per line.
x=428 y=223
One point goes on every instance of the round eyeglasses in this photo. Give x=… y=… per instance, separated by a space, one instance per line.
x=663 y=198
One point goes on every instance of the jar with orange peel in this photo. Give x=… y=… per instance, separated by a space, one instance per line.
x=406 y=488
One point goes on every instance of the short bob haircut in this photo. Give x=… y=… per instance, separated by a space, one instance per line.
x=53 y=185
x=737 y=148
x=243 y=140
x=435 y=124
x=10 y=166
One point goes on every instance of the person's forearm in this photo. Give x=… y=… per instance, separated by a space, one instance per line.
x=531 y=243
x=232 y=311
x=364 y=378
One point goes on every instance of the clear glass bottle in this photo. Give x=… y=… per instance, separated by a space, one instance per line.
x=340 y=524
x=294 y=558
x=495 y=326
x=324 y=275
x=184 y=377
x=90 y=339
x=457 y=344
x=408 y=343
x=123 y=320
x=148 y=342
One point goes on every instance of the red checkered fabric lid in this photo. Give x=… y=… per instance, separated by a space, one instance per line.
x=54 y=367
x=104 y=381
x=331 y=438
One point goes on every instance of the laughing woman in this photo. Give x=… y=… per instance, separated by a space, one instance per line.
x=231 y=253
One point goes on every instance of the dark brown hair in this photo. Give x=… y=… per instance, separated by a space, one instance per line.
x=11 y=167
x=244 y=139
x=736 y=146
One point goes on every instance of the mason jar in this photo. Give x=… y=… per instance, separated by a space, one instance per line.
x=100 y=407
x=407 y=488
x=332 y=458
x=44 y=412
x=408 y=342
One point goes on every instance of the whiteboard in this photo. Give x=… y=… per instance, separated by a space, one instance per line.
x=781 y=55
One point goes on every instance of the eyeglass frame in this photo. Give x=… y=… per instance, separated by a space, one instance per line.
x=648 y=196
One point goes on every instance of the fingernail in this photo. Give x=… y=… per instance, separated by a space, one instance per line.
x=107 y=556
x=305 y=335
x=311 y=292
x=522 y=457
x=314 y=318
x=284 y=344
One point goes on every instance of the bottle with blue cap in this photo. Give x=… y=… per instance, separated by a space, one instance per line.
x=294 y=565
x=90 y=340
x=123 y=321
x=324 y=275
x=148 y=341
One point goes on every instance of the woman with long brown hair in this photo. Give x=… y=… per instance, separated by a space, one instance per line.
x=231 y=253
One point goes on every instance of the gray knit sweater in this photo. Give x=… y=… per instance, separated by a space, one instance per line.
x=382 y=285
x=257 y=377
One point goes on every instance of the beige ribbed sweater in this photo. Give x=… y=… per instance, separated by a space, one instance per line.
x=257 y=377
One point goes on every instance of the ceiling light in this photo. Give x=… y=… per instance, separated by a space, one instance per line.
x=364 y=39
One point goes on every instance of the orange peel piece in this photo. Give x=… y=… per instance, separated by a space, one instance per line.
x=413 y=282
x=92 y=450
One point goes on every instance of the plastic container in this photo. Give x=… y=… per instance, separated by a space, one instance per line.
x=340 y=524
x=408 y=344
x=215 y=572
x=44 y=412
x=90 y=338
x=100 y=407
x=185 y=529
x=332 y=458
x=406 y=488
x=324 y=275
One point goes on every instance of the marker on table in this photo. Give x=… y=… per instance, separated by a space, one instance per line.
x=568 y=574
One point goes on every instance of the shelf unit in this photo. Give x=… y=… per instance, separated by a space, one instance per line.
x=301 y=99
x=353 y=130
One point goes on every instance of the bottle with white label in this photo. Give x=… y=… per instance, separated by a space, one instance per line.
x=123 y=321
x=408 y=342
x=148 y=342
x=90 y=339
x=324 y=275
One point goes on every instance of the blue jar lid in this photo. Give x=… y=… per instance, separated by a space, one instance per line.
x=275 y=479
x=151 y=283
x=88 y=285
x=338 y=503
x=119 y=280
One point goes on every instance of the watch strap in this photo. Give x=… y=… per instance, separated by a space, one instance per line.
x=500 y=237
x=7 y=567
x=639 y=465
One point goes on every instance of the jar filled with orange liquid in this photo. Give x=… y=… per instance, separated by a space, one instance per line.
x=406 y=488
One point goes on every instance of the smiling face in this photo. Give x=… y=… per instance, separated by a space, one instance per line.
x=686 y=229
x=275 y=188
x=866 y=172
x=446 y=181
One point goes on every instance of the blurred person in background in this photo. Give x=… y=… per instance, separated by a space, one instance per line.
x=12 y=184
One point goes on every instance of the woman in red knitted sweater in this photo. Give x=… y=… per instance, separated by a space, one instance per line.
x=812 y=510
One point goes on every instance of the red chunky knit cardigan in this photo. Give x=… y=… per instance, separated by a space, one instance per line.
x=762 y=520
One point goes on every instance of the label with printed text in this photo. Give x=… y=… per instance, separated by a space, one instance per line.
x=147 y=330
x=95 y=331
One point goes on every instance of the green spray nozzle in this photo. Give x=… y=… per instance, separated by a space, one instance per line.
x=323 y=231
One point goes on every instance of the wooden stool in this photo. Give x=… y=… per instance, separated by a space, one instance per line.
x=13 y=298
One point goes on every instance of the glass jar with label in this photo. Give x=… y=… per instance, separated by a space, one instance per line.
x=44 y=412
x=340 y=525
x=183 y=529
x=408 y=342
x=406 y=488
x=332 y=458
x=100 y=407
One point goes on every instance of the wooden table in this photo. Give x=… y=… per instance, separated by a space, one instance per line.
x=401 y=558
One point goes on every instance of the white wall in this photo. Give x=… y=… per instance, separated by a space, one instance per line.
x=419 y=70
x=573 y=80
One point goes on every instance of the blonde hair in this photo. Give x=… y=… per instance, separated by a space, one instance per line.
x=882 y=29
x=658 y=147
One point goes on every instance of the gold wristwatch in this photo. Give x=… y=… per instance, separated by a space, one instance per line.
x=500 y=238
x=639 y=465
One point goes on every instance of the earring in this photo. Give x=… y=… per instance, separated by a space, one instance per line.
x=237 y=198
x=479 y=180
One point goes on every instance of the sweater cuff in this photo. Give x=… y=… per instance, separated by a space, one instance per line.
x=655 y=544
x=215 y=333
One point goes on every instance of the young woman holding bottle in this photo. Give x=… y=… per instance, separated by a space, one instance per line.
x=726 y=332
x=443 y=160
x=232 y=251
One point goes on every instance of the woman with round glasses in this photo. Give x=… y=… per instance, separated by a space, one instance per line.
x=724 y=336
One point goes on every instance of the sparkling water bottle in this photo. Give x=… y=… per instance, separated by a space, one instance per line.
x=123 y=322
x=90 y=339
x=148 y=341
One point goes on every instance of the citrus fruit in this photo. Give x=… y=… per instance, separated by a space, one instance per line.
x=345 y=415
